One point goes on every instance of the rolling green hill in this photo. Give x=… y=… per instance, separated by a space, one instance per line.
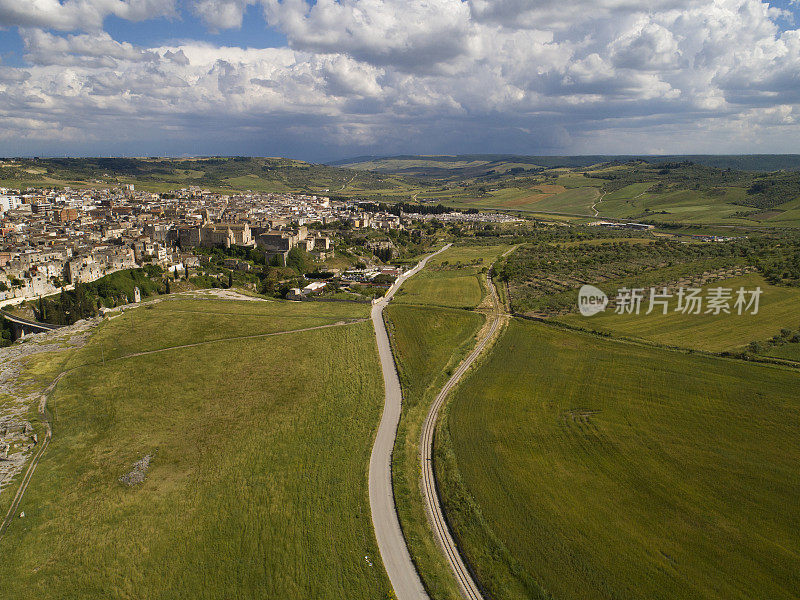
x=257 y=483
x=587 y=468
x=222 y=174
x=443 y=164
x=745 y=191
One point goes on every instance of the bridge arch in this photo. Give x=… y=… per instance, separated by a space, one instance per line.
x=22 y=327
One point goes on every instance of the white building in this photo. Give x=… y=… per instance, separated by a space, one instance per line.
x=9 y=203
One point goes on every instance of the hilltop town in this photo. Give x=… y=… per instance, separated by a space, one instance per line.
x=52 y=239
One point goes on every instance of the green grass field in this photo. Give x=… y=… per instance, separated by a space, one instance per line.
x=683 y=206
x=789 y=215
x=571 y=200
x=539 y=198
x=455 y=278
x=258 y=482
x=577 y=180
x=454 y=288
x=428 y=343
x=785 y=351
x=588 y=468
x=716 y=333
x=205 y=320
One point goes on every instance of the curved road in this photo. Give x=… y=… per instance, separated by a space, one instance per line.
x=596 y=202
x=391 y=543
x=469 y=589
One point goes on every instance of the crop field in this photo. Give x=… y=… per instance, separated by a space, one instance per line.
x=778 y=309
x=788 y=215
x=684 y=206
x=483 y=255
x=257 y=482
x=628 y=193
x=694 y=207
x=536 y=198
x=428 y=343
x=459 y=288
x=545 y=275
x=587 y=468
x=576 y=180
x=454 y=278
x=574 y=200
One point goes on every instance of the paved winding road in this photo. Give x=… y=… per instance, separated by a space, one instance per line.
x=391 y=543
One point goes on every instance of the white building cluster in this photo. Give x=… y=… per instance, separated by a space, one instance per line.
x=50 y=239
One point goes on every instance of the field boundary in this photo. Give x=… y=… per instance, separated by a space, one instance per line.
x=464 y=575
x=726 y=355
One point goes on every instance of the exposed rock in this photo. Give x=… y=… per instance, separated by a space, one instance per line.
x=138 y=473
x=18 y=398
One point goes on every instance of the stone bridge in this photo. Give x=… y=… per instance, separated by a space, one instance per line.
x=22 y=327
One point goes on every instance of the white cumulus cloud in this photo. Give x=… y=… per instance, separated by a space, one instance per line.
x=415 y=76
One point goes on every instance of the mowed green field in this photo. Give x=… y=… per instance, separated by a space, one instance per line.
x=589 y=469
x=455 y=278
x=728 y=206
x=427 y=343
x=449 y=287
x=778 y=308
x=258 y=481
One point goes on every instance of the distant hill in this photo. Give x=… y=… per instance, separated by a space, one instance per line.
x=475 y=165
x=223 y=174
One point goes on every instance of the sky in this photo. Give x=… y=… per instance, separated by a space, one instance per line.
x=330 y=79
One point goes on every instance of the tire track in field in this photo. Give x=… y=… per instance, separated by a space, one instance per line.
x=43 y=413
x=598 y=201
x=26 y=479
x=241 y=337
x=433 y=506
